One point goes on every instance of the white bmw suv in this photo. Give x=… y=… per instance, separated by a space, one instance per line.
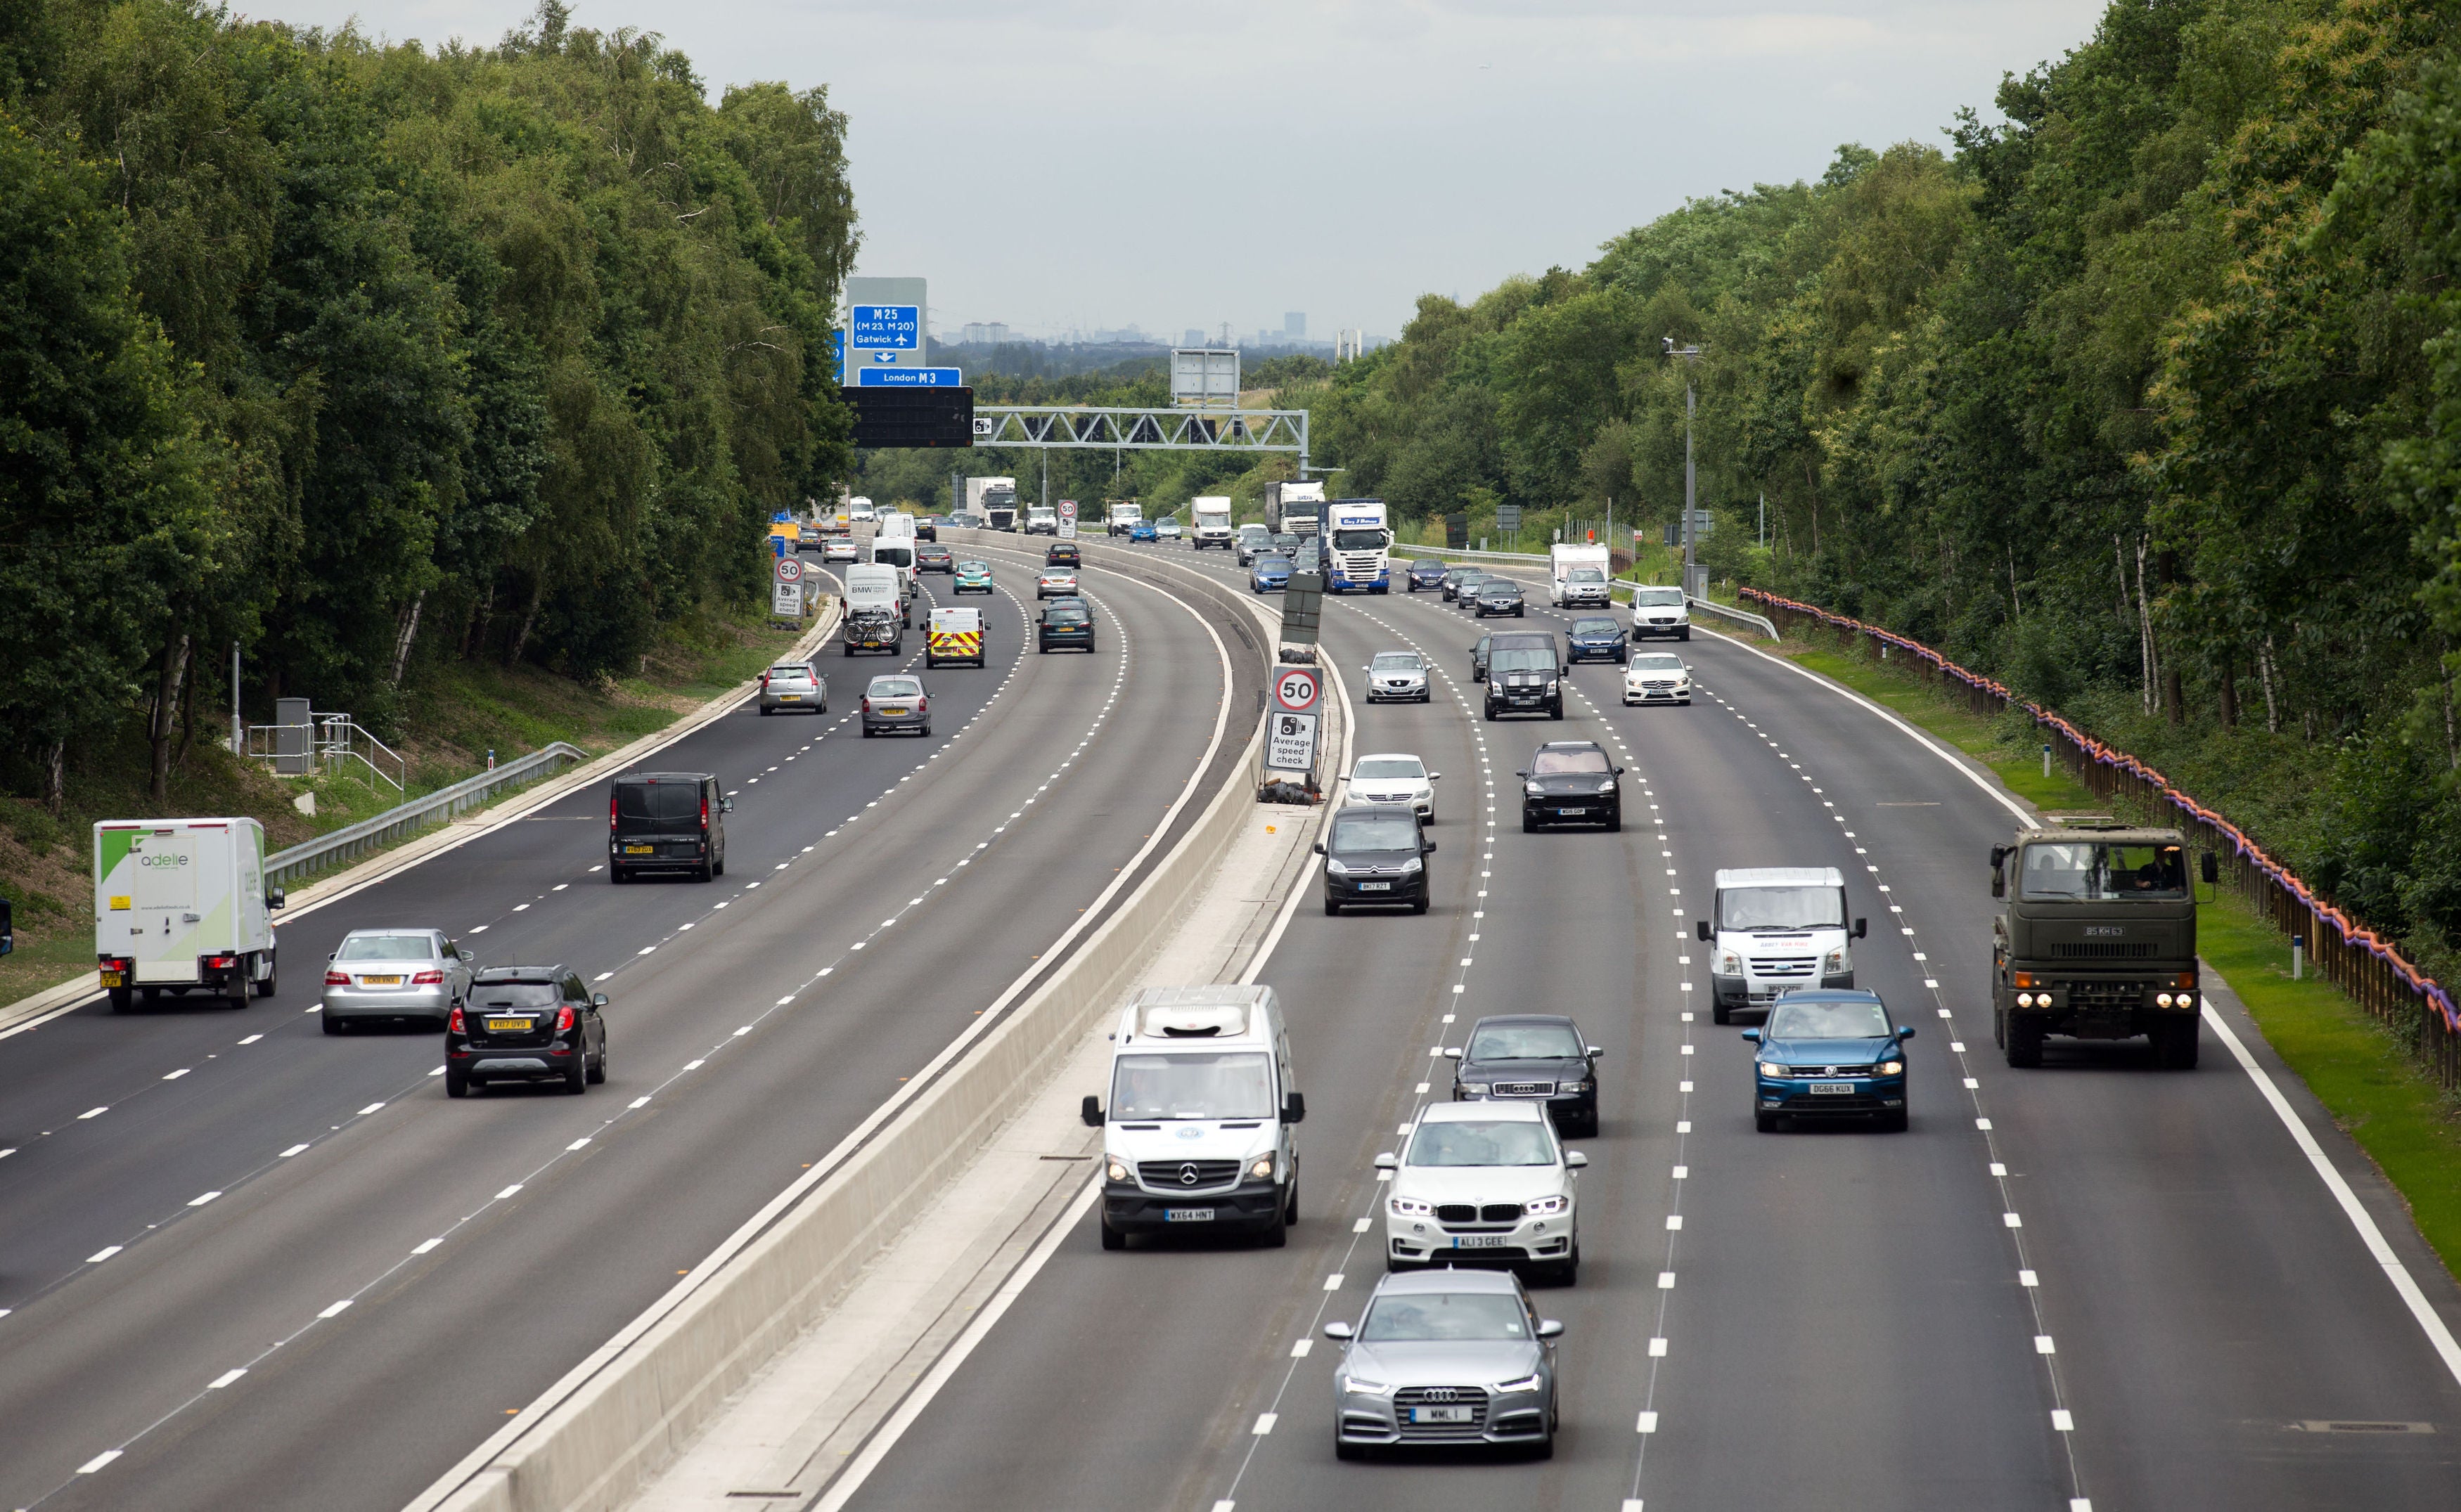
x=1484 y=1182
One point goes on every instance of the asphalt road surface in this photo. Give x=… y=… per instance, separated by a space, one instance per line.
x=243 y=1264
x=2095 y=1283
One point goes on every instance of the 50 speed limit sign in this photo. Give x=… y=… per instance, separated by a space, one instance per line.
x=1296 y=690
x=790 y=569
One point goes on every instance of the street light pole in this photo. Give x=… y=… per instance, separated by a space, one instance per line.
x=1690 y=355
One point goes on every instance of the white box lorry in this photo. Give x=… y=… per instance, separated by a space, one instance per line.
x=1578 y=576
x=1212 y=515
x=993 y=500
x=1204 y=1102
x=1294 y=508
x=180 y=905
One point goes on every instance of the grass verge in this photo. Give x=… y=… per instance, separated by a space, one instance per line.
x=2360 y=1068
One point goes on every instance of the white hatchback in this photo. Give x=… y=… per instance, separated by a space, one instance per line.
x=1484 y=1182
x=1394 y=780
x=1657 y=677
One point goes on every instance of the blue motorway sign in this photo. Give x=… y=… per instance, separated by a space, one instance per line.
x=910 y=378
x=896 y=327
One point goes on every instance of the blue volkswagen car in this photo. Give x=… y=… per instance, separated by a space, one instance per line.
x=1427 y=572
x=1829 y=1053
x=1594 y=638
x=1270 y=574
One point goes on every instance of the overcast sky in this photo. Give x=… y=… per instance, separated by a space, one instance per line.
x=1084 y=163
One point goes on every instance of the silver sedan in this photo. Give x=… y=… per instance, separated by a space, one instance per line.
x=794 y=685
x=395 y=974
x=1445 y=1358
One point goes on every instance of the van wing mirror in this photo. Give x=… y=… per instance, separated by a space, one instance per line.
x=726 y=805
x=275 y=897
x=1091 y=1111
x=2209 y=866
x=1294 y=1108
x=1427 y=847
x=1700 y=928
x=1861 y=925
x=1575 y=1161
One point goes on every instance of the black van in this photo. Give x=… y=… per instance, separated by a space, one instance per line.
x=1525 y=674
x=666 y=821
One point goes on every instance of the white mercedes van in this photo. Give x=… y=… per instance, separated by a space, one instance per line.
x=1202 y=1106
x=1776 y=927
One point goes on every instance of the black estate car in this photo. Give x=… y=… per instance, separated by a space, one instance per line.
x=1514 y=1057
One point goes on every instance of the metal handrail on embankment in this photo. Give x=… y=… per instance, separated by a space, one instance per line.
x=2365 y=965
x=406 y=819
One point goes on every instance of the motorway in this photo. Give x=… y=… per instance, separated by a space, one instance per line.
x=243 y=1264
x=2093 y=1284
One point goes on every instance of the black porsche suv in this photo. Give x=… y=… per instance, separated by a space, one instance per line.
x=1570 y=783
x=527 y=1023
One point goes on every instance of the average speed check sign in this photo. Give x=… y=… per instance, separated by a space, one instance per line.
x=1296 y=690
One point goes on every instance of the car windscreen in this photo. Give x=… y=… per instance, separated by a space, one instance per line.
x=894 y=687
x=1520 y=659
x=1437 y=1315
x=973 y=566
x=1429 y=564
x=1827 y=1021
x=671 y=809
x=1358 y=832
x=1482 y=1142
x=1358 y=540
x=1657 y=598
x=1561 y=763
x=2097 y=873
x=1658 y=664
x=1497 y=586
x=1585 y=575
x=1596 y=627
x=1064 y=615
x=1782 y=908
x=1397 y=662
x=516 y=994
x=1524 y=1042
x=791 y=671
x=1268 y=560
x=1234 y=1085
x=387 y=948
x=1389 y=767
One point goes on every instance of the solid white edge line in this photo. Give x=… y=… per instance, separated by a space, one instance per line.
x=885 y=1437
x=2430 y=1321
x=2439 y=1336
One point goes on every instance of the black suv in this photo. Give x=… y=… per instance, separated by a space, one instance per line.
x=1375 y=855
x=1570 y=783
x=666 y=821
x=1523 y=675
x=526 y=1023
x=1594 y=637
x=1517 y=1057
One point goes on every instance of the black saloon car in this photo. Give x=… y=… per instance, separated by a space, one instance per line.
x=1499 y=596
x=1517 y=1057
x=1375 y=855
x=1427 y=572
x=1461 y=580
x=1594 y=638
x=526 y=1023
x=1062 y=554
x=1570 y=783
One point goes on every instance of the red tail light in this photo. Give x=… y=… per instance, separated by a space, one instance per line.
x=765 y=682
x=922 y=706
x=337 y=979
x=453 y=1025
x=428 y=979
x=220 y=962
x=866 y=703
x=610 y=813
x=704 y=812
x=563 y=1019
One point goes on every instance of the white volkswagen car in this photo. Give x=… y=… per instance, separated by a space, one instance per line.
x=1394 y=780
x=1657 y=677
x=1484 y=1182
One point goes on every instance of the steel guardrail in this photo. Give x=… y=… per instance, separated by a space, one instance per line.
x=406 y=819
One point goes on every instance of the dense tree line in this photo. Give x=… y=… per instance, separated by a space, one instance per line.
x=369 y=356
x=2147 y=399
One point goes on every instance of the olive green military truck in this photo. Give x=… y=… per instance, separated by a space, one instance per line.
x=2095 y=939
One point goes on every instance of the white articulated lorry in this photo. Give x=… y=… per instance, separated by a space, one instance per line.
x=995 y=500
x=1578 y=576
x=1294 y=508
x=180 y=905
x=1360 y=539
x=1212 y=528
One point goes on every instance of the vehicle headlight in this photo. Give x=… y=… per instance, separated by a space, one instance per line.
x=1836 y=961
x=1547 y=1206
x=1891 y=1068
x=1531 y=789
x=1607 y=786
x=1412 y=1207
x=1526 y=1383
x=1576 y=1086
x=1727 y=963
x=1333 y=866
x=1117 y=1170
x=1361 y=1386
x=1476 y=1089
x=1770 y=1067
x=1414 y=864
x=1261 y=1168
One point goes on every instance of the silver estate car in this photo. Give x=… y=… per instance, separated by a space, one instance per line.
x=792 y=686
x=1445 y=1358
x=395 y=974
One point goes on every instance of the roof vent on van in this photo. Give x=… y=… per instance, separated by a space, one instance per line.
x=1195 y=1021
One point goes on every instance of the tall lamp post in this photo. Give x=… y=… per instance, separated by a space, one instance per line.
x=1690 y=355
